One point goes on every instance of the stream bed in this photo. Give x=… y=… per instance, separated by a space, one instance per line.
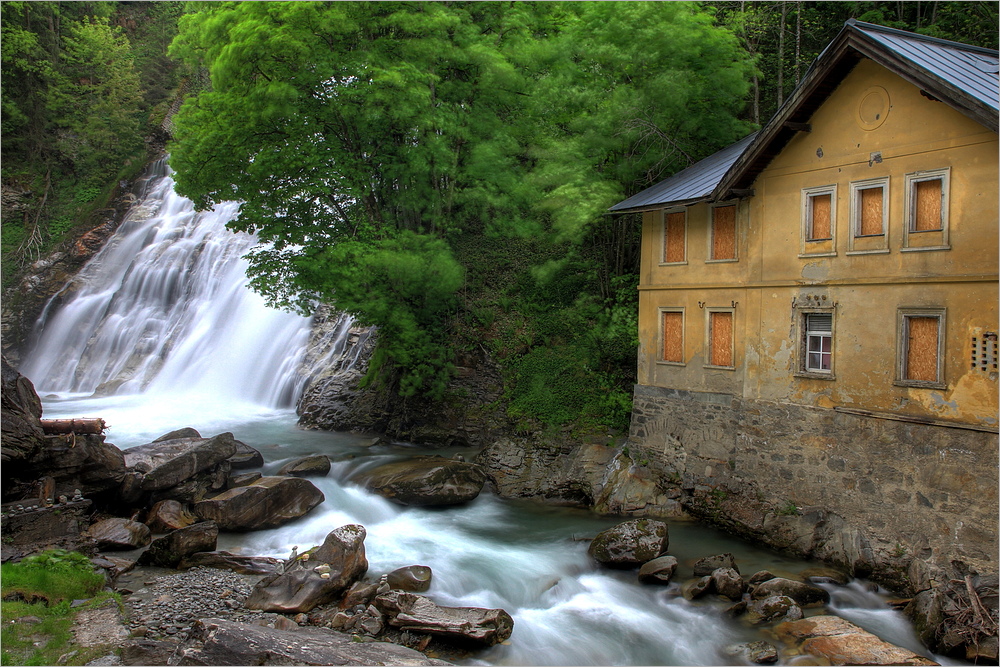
x=527 y=558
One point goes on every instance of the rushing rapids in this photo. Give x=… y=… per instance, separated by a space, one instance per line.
x=159 y=332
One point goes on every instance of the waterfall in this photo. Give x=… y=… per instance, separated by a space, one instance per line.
x=164 y=309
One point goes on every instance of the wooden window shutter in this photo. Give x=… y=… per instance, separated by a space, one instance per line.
x=922 y=349
x=721 y=326
x=673 y=237
x=927 y=205
x=871 y=212
x=819 y=223
x=673 y=337
x=724 y=232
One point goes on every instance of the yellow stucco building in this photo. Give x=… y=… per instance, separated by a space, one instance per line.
x=818 y=312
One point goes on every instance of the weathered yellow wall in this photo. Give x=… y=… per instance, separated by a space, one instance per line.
x=916 y=134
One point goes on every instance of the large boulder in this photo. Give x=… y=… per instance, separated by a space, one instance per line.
x=425 y=481
x=197 y=487
x=167 y=463
x=245 y=457
x=841 y=642
x=333 y=567
x=803 y=593
x=22 y=412
x=119 y=534
x=630 y=543
x=216 y=641
x=267 y=503
x=317 y=465
x=168 y=515
x=172 y=548
x=417 y=613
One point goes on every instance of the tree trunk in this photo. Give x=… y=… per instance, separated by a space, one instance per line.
x=88 y=425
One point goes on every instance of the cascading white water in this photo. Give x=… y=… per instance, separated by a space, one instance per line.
x=164 y=308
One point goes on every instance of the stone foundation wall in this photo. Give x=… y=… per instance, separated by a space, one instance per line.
x=888 y=499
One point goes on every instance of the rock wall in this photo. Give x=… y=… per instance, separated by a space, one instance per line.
x=893 y=500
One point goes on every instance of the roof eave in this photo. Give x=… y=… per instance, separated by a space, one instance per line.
x=659 y=206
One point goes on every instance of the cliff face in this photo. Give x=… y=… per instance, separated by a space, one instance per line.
x=472 y=413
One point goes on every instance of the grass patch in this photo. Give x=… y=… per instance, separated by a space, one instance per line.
x=37 y=610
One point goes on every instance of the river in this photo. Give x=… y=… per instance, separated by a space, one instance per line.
x=161 y=324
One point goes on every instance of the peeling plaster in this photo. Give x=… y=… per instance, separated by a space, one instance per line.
x=816 y=271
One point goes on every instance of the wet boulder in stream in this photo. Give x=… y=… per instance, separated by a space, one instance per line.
x=803 y=593
x=630 y=543
x=267 y=503
x=425 y=481
x=317 y=465
x=333 y=567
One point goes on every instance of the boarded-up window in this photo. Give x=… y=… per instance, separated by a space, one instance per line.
x=673 y=336
x=926 y=213
x=870 y=211
x=724 y=232
x=819 y=224
x=721 y=339
x=673 y=237
x=921 y=340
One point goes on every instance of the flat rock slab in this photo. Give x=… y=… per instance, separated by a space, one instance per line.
x=102 y=626
x=417 y=613
x=216 y=641
x=843 y=643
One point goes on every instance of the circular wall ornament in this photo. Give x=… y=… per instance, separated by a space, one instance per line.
x=873 y=108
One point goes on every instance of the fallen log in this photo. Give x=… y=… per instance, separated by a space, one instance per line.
x=91 y=426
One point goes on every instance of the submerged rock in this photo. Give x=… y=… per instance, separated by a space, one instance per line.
x=630 y=543
x=425 y=481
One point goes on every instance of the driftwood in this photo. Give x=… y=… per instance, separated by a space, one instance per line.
x=93 y=426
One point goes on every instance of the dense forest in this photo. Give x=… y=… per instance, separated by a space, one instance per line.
x=439 y=169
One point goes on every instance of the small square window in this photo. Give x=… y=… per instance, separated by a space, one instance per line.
x=920 y=343
x=723 y=233
x=674 y=237
x=926 y=210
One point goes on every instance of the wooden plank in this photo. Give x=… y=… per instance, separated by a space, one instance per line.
x=722 y=339
x=922 y=349
x=819 y=227
x=673 y=337
x=724 y=232
x=871 y=212
x=673 y=237
x=927 y=205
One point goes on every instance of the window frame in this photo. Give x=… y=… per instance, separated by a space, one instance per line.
x=736 y=233
x=802 y=332
x=709 y=338
x=909 y=214
x=663 y=236
x=903 y=316
x=661 y=341
x=808 y=246
x=857 y=239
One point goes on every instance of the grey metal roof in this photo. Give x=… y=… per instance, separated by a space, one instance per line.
x=970 y=69
x=688 y=185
